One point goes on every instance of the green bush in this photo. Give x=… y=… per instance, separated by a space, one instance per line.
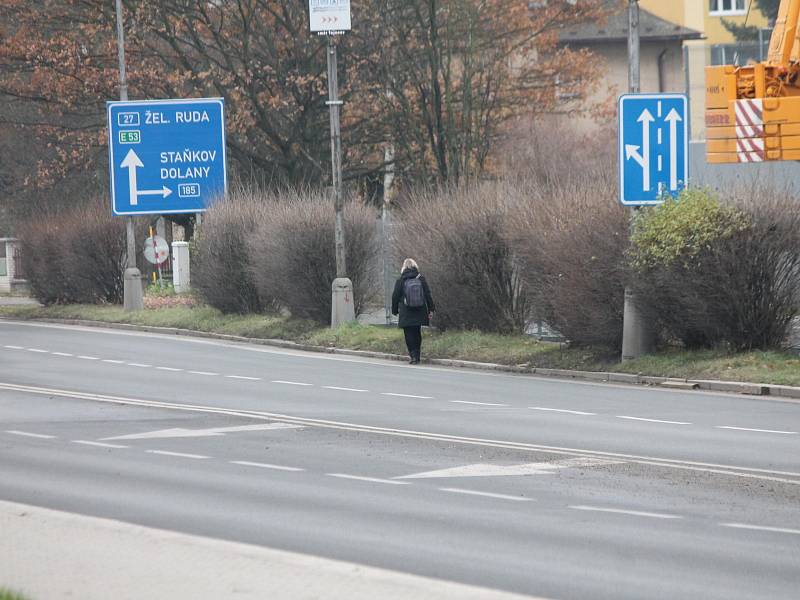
x=711 y=272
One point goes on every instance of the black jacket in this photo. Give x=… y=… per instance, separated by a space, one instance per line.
x=411 y=317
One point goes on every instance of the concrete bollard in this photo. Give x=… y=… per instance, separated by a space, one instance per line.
x=342 y=305
x=181 y=275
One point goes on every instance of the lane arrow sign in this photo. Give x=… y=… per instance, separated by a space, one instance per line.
x=673 y=118
x=133 y=162
x=632 y=151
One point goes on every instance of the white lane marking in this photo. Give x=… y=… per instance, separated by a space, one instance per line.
x=653 y=420
x=168 y=369
x=113 y=362
x=247 y=463
x=243 y=377
x=756 y=430
x=761 y=528
x=62 y=354
x=407 y=396
x=486 y=494
x=689 y=465
x=291 y=382
x=477 y=403
x=342 y=389
x=492 y=470
x=84 y=357
x=370 y=479
x=142 y=365
x=178 y=454
x=620 y=511
x=209 y=373
x=98 y=444
x=38 y=350
x=28 y=434
x=180 y=432
x=14 y=347
x=562 y=410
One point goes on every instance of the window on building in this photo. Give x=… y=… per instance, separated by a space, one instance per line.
x=727 y=7
x=3 y=260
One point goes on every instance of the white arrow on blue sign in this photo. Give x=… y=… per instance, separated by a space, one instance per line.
x=653 y=147
x=166 y=156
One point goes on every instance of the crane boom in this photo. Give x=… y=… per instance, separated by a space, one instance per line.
x=753 y=111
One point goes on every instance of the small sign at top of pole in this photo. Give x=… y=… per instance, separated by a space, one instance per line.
x=329 y=17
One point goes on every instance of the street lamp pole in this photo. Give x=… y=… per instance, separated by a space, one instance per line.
x=132 y=279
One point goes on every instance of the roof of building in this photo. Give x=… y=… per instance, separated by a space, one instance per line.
x=615 y=29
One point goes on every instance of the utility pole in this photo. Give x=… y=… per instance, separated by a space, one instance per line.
x=132 y=277
x=637 y=335
x=342 y=305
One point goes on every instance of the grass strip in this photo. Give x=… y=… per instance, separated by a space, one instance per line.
x=772 y=367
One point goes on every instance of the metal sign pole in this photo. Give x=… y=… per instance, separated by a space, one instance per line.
x=132 y=278
x=637 y=338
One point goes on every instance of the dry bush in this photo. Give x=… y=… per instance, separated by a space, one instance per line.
x=76 y=255
x=571 y=233
x=715 y=272
x=292 y=252
x=458 y=237
x=221 y=265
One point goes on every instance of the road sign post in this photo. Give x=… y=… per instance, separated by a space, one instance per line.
x=331 y=18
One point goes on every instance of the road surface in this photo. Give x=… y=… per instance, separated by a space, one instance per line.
x=511 y=483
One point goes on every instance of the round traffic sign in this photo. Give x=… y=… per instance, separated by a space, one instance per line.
x=156 y=250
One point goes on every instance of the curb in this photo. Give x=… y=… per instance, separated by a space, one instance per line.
x=712 y=385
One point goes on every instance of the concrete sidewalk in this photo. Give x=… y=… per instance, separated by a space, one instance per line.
x=49 y=555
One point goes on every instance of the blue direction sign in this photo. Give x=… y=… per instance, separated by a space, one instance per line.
x=166 y=156
x=653 y=147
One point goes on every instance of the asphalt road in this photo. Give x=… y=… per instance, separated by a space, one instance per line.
x=535 y=486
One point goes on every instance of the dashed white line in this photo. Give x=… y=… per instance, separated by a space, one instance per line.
x=247 y=463
x=209 y=373
x=14 y=347
x=98 y=444
x=178 y=454
x=38 y=350
x=370 y=479
x=142 y=365
x=486 y=494
x=477 y=403
x=620 y=511
x=168 y=369
x=28 y=434
x=342 y=389
x=84 y=357
x=113 y=362
x=245 y=378
x=653 y=420
x=62 y=354
x=562 y=410
x=761 y=528
x=407 y=396
x=756 y=430
x=291 y=382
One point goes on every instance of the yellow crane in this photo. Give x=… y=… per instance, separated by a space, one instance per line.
x=753 y=111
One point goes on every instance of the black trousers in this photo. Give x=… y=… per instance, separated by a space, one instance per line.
x=413 y=337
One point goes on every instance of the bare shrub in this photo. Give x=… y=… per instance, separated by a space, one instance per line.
x=721 y=272
x=292 y=252
x=571 y=233
x=222 y=271
x=458 y=237
x=76 y=255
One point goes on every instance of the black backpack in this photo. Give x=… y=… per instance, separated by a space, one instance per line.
x=413 y=293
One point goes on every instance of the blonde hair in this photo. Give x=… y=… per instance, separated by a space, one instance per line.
x=409 y=263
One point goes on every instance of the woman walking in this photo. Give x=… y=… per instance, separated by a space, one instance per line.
x=412 y=300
